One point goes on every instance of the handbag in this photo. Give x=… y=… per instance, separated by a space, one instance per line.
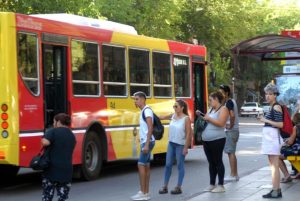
x=41 y=161
x=200 y=126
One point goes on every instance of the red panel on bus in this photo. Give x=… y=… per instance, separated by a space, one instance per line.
x=50 y=26
x=183 y=48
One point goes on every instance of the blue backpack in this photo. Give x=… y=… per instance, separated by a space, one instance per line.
x=158 y=128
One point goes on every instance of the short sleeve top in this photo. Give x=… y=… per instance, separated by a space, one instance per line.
x=62 y=143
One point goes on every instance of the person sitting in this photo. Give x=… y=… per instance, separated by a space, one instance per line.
x=290 y=147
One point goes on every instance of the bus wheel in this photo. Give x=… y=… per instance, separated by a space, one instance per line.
x=8 y=171
x=92 y=157
x=160 y=159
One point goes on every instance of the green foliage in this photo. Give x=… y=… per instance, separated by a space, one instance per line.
x=217 y=24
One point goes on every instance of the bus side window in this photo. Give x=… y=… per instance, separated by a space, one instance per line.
x=27 y=61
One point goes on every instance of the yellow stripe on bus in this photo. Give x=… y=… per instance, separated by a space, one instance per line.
x=9 y=147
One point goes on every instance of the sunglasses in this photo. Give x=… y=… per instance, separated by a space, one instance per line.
x=175 y=106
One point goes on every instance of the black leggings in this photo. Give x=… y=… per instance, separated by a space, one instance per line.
x=214 y=154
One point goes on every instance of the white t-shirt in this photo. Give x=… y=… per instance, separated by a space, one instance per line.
x=143 y=125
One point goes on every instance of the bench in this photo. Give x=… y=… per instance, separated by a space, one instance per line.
x=295 y=161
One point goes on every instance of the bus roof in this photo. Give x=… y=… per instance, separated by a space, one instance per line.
x=90 y=22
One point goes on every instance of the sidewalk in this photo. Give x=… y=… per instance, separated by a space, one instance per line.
x=251 y=188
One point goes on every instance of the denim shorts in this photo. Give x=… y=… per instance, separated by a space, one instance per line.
x=232 y=138
x=145 y=158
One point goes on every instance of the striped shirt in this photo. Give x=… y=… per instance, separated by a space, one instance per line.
x=273 y=115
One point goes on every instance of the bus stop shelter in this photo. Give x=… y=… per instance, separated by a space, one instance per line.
x=267 y=47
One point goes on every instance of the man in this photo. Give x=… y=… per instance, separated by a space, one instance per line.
x=147 y=142
x=232 y=133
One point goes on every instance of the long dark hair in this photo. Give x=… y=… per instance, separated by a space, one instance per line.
x=63 y=118
x=183 y=104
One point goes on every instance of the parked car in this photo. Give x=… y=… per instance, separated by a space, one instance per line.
x=251 y=108
x=266 y=107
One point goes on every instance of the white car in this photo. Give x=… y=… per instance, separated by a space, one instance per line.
x=251 y=108
x=266 y=107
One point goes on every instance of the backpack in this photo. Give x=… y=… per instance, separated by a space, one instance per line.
x=158 y=128
x=287 y=128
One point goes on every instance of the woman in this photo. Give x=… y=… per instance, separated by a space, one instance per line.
x=291 y=147
x=61 y=142
x=214 y=141
x=179 y=142
x=271 y=139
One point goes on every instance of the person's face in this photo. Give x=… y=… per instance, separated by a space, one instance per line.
x=139 y=101
x=270 y=97
x=213 y=102
x=177 y=108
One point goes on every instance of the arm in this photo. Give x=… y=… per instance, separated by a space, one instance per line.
x=292 y=138
x=188 y=137
x=221 y=121
x=273 y=123
x=232 y=119
x=149 y=134
x=165 y=117
x=45 y=142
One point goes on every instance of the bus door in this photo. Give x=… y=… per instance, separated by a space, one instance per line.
x=55 y=92
x=199 y=87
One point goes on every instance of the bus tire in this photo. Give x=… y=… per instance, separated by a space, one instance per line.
x=8 y=171
x=160 y=159
x=91 y=157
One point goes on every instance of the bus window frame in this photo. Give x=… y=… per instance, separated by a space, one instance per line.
x=84 y=81
x=171 y=73
x=150 y=73
x=189 y=75
x=126 y=71
x=38 y=79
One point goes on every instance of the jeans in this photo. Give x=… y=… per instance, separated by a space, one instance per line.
x=174 y=151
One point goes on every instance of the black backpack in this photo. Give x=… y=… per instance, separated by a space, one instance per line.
x=158 y=128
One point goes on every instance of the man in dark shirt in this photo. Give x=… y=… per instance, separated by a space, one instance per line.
x=232 y=133
x=61 y=142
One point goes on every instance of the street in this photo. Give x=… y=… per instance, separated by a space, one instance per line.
x=119 y=180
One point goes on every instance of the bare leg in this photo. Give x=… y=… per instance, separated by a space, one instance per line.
x=147 y=178
x=233 y=164
x=142 y=176
x=274 y=162
x=283 y=168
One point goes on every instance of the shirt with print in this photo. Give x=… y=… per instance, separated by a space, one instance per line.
x=62 y=143
x=143 y=124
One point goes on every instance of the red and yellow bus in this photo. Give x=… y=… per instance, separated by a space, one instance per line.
x=49 y=66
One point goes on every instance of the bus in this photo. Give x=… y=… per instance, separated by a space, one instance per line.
x=51 y=64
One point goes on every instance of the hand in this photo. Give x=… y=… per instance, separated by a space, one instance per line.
x=185 y=151
x=261 y=118
x=145 y=149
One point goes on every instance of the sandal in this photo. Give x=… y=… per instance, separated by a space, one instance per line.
x=286 y=179
x=163 y=190
x=177 y=190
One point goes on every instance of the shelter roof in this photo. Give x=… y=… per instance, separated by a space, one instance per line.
x=268 y=47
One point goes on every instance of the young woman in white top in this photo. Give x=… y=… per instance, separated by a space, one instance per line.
x=214 y=140
x=179 y=142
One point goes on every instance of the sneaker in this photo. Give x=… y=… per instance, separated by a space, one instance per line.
x=177 y=190
x=218 y=189
x=273 y=194
x=210 y=188
x=141 y=196
x=231 y=178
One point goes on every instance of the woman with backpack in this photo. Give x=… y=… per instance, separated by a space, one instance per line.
x=179 y=142
x=271 y=139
